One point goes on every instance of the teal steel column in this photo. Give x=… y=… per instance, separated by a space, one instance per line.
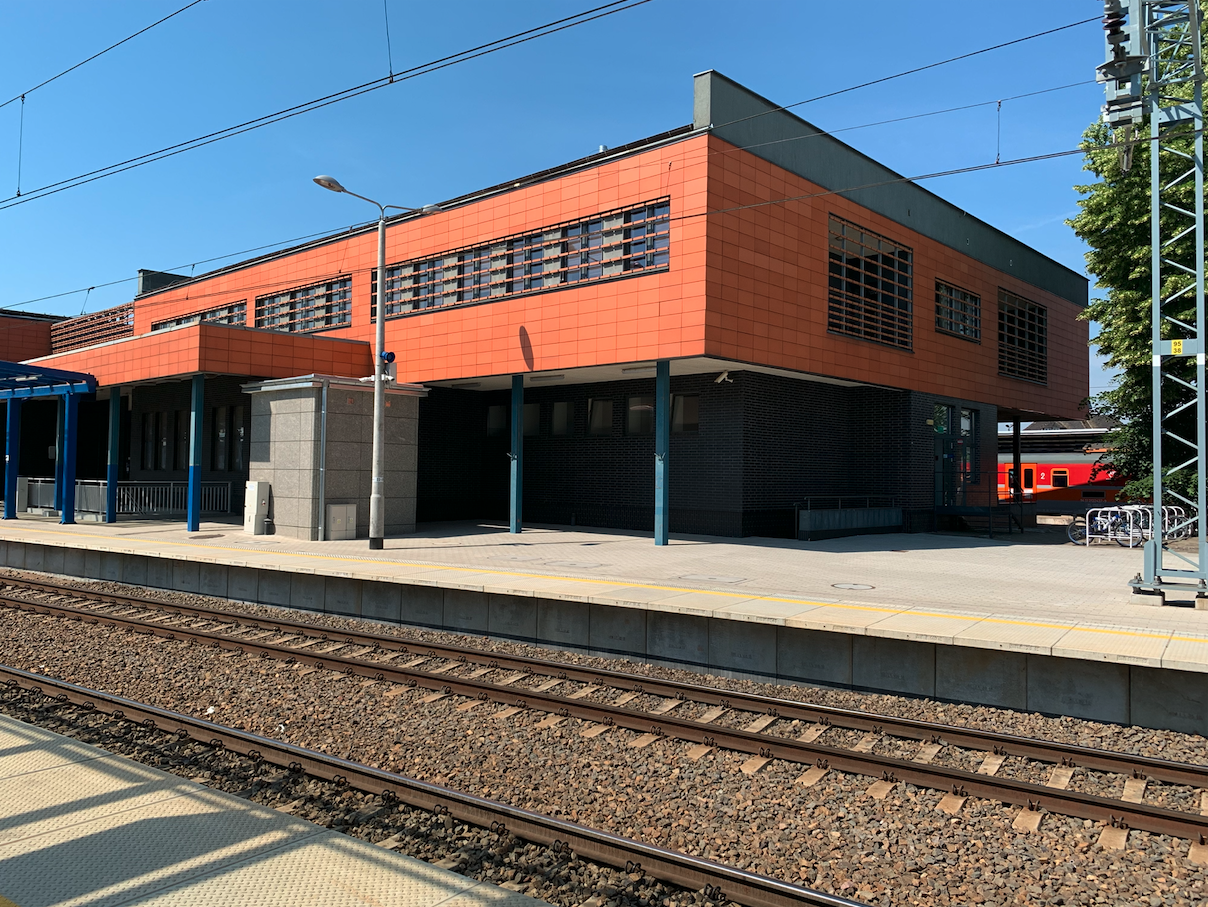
x=193 y=511
x=517 y=454
x=71 y=413
x=60 y=415
x=662 y=445
x=115 y=429
x=12 y=457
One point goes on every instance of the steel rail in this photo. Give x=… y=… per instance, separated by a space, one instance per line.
x=908 y=728
x=1128 y=814
x=720 y=882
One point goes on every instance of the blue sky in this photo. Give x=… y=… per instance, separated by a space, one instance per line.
x=475 y=124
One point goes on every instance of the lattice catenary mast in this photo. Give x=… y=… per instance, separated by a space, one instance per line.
x=1158 y=42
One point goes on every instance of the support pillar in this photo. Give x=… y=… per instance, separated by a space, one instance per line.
x=1017 y=462
x=662 y=446
x=12 y=456
x=60 y=415
x=517 y=454
x=71 y=435
x=111 y=468
x=193 y=508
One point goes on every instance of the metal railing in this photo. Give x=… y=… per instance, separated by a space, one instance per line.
x=848 y=502
x=140 y=498
x=154 y=498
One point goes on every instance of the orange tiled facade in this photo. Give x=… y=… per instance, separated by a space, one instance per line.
x=745 y=282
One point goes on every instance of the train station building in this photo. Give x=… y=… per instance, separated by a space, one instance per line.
x=800 y=340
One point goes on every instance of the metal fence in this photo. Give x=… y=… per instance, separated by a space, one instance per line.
x=140 y=498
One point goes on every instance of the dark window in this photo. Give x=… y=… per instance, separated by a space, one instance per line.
x=685 y=413
x=870 y=286
x=941 y=418
x=150 y=433
x=971 y=446
x=164 y=441
x=1029 y=478
x=1023 y=338
x=497 y=421
x=234 y=313
x=610 y=244
x=182 y=439
x=220 y=437
x=532 y=419
x=238 y=438
x=957 y=311
x=641 y=416
x=564 y=420
x=1061 y=478
x=599 y=417
x=313 y=308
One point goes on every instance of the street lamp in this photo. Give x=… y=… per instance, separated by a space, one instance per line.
x=377 y=499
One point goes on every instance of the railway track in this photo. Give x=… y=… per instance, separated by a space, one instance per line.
x=720 y=883
x=737 y=721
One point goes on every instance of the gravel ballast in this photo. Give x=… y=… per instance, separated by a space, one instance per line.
x=896 y=851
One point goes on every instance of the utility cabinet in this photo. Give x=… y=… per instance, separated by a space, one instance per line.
x=255 y=507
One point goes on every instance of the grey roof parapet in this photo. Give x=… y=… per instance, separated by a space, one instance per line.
x=745 y=119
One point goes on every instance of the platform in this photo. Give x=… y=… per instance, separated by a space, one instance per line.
x=1012 y=621
x=79 y=825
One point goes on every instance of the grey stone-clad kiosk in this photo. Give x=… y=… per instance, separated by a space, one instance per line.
x=312 y=442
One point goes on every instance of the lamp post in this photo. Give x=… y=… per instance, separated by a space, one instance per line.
x=377 y=498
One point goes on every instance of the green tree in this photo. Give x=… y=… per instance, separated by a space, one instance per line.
x=1115 y=223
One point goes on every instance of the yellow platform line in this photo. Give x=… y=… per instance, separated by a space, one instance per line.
x=1003 y=621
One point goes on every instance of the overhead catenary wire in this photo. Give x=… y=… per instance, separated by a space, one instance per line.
x=732 y=150
x=389 y=49
x=910 y=72
x=975 y=168
x=549 y=28
x=99 y=53
x=203 y=261
x=463 y=56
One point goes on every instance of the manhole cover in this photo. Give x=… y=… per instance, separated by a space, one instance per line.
x=706 y=578
x=860 y=586
x=570 y=564
x=212 y=535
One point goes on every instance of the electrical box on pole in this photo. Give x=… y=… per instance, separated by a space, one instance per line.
x=1154 y=71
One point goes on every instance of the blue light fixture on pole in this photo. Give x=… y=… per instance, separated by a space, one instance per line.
x=377 y=498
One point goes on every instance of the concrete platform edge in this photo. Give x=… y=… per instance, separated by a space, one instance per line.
x=1147 y=695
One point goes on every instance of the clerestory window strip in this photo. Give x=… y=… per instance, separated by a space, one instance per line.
x=613 y=244
x=234 y=313
x=317 y=307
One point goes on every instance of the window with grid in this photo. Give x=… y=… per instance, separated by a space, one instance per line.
x=957 y=311
x=235 y=313
x=313 y=308
x=870 y=286
x=613 y=244
x=1023 y=338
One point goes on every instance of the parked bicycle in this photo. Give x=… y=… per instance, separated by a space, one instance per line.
x=1129 y=525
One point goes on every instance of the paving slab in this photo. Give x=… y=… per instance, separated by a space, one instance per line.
x=79 y=825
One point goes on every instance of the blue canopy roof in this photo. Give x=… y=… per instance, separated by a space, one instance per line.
x=19 y=379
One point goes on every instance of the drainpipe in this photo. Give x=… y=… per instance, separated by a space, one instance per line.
x=323 y=465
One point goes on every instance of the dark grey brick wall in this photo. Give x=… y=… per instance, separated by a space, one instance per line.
x=174 y=396
x=765 y=443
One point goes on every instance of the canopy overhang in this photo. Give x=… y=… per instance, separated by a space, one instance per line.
x=20 y=380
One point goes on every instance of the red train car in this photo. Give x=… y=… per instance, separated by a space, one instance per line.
x=1060 y=477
